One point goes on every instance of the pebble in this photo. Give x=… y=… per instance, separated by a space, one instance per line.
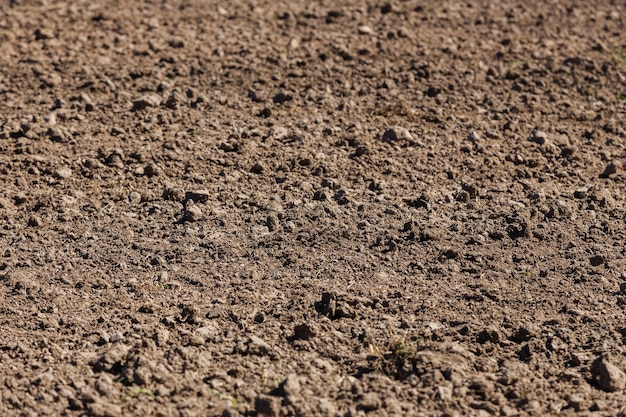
x=596 y=260
x=35 y=221
x=92 y=164
x=473 y=136
x=149 y=100
x=280 y=98
x=114 y=160
x=365 y=30
x=197 y=196
x=609 y=377
x=394 y=133
x=192 y=213
x=257 y=169
x=538 y=136
x=134 y=197
x=63 y=173
x=152 y=170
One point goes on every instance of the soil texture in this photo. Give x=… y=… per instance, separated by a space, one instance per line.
x=312 y=208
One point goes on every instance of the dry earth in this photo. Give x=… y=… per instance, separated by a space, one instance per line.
x=333 y=208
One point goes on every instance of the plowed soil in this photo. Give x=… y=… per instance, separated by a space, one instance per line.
x=312 y=208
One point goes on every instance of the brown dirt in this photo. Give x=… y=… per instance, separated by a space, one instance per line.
x=205 y=211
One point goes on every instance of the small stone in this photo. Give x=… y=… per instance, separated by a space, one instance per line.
x=403 y=32
x=173 y=194
x=444 y=393
x=92 y=164
x=149 y=100
x=35 y=221
x=395 y=133
x=257 y=169
x=56 y=134
x=192 y=213
x=114 y=160
x=538 y=137
x=365 y=30
x=42 y=34
x=473 y=136
x=134 y=197
x=609 y=377
x=281 y=98
x=596 y=260
x=612 y=168
x=198 y=196
x=259 y=317
x=63 y=173
x=152 y=170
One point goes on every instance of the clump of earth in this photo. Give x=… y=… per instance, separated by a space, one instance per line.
x=281 y=208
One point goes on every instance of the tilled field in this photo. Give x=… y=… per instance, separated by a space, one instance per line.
x=312 y=208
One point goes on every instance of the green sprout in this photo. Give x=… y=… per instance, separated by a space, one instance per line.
x=233 y=400
x=136 y=392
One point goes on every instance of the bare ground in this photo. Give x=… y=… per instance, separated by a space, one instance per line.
x=280 y=208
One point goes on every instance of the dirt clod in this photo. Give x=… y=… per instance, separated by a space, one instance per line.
x=608 y=376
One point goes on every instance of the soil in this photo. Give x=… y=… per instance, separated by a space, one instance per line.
x=333 y=208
